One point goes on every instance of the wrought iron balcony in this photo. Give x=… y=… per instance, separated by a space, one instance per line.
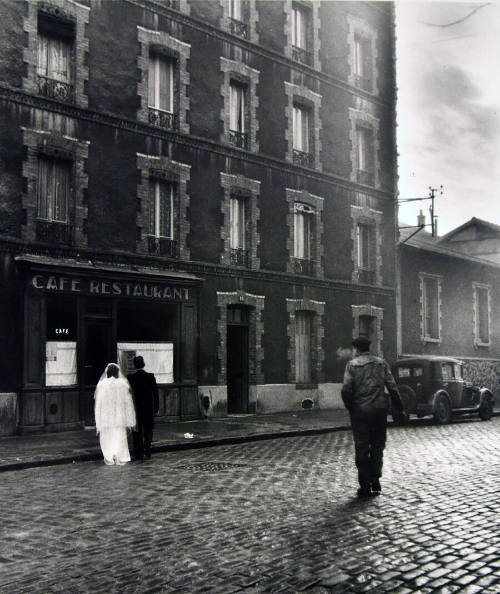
x=302 y=55
x=163 y=246
x=238 y=257
x=302 y=159
x=303 y=266
x=52 y=232
x=365 y=177
x=162 y=119
x=238 y=28
x=366 y=276
x=239 y=139
x=55 y=89
x=363 y=82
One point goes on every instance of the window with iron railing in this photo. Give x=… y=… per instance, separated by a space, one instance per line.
x=303 y=266
x=300 y=149
x=362 y=63
x=163 y=246
x=302 y=55
x=53 y=232
x=365 y=155
x=238 y=124
x=161 y=240
x=238 y=28
x=238 y=238
x=161 y=95
x=53 y=189
x=365 y=252
x=55 y=67
x=303 y=238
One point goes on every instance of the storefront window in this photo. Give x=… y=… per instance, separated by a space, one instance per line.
x=151 y=331
x=60 y=345
x=159 y=358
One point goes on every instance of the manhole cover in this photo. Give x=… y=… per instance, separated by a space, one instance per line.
x=211 y=466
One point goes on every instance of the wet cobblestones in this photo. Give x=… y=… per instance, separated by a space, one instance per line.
x=271 y=516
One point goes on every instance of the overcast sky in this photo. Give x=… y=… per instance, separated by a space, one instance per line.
x=448 y=109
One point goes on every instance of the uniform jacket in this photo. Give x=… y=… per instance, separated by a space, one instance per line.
x=146 y=398
x=364 y=380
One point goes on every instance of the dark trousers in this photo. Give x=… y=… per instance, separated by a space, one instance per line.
x=141 y=440
x=369 y=430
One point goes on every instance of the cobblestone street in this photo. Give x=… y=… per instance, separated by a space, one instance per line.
x=270 y=516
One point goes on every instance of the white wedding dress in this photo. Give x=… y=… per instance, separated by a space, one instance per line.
x=114 y=413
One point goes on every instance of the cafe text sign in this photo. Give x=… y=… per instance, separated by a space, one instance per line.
x=112 y=288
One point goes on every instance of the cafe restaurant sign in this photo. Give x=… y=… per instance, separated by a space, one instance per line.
x=112 y=288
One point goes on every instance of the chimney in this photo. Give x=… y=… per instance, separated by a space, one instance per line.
x=421 y=219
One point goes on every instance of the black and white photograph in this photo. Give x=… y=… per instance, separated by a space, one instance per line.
x=249 y=296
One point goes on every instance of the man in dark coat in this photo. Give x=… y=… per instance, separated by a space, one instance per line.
x=364 y=397
x=146 y=402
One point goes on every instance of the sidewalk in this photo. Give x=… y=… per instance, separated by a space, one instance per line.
x=47 y=449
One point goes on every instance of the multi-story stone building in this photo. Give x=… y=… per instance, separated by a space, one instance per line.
x=208 y=183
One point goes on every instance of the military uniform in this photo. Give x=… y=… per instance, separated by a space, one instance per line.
x=364 y=397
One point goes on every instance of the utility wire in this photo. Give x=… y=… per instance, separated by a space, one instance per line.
x=459 y=20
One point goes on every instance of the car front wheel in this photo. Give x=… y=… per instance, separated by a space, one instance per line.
x=442 y=410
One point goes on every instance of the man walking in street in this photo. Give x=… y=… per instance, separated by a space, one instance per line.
x=363 y=395
x=146 y=402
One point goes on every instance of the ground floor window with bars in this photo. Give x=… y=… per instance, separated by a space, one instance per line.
x=53 y=189
x=303 y=347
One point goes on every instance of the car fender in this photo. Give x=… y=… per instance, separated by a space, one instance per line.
x=440 y=393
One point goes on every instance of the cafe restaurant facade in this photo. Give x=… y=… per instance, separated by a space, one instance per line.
x=79 y=316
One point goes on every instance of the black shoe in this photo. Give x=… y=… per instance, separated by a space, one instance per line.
x=364 y=492
x=376 y=488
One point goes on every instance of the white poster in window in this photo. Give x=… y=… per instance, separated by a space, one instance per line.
x=158 y=356
x=60 y=363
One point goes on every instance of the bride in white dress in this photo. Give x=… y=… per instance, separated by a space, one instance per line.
x=114 y=414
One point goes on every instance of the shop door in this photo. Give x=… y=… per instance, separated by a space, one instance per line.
x=98 y=352
x=237 y=363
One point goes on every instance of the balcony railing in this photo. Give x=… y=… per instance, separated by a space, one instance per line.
x=303 y=266
x=302 y=159
x=365 y=177
x=51 y=232
x=163 y=246
x=239 y=139
x=238 y=257
x=162 y=119
x=238 y=28
x=366 y=276
x=363 y=82
x=302 y=55
x=55 y=89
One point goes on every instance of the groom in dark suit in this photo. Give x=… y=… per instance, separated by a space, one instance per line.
x=146 y=406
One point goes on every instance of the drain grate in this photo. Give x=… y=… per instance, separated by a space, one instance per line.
x=211 y=466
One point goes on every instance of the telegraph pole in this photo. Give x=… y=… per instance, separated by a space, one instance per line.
x=421 y=225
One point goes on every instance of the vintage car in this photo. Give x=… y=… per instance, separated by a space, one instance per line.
x=431 y=385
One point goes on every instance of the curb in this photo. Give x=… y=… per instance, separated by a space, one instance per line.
x=173 y=447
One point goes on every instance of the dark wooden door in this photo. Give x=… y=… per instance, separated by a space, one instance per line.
x=98 y=351
x=237 y=369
